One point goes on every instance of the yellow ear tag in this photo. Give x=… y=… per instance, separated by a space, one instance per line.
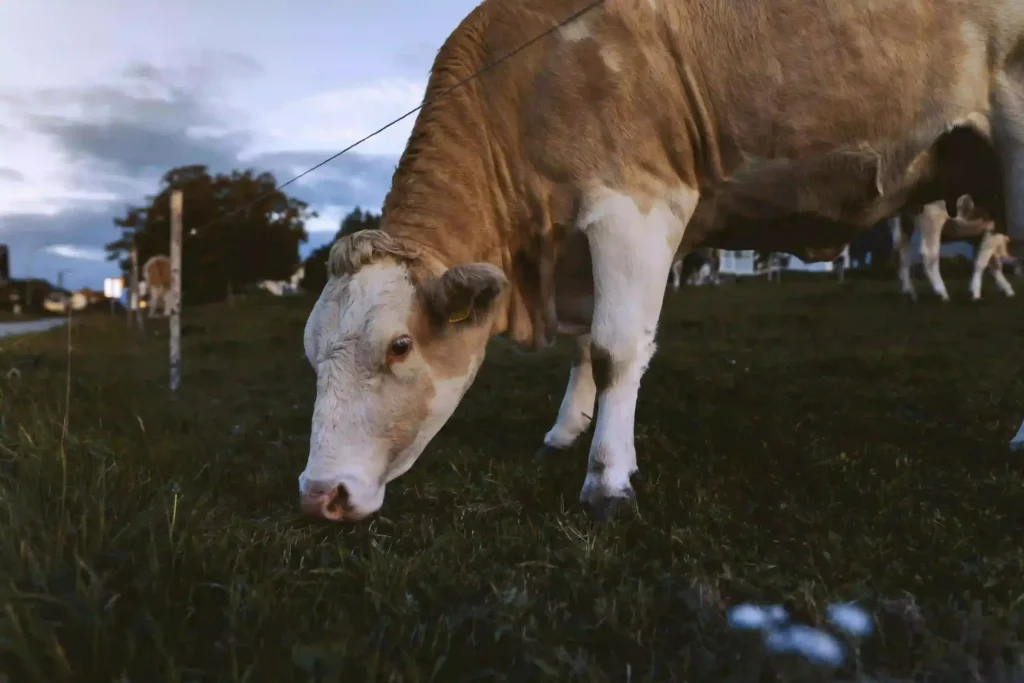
x=459 y=316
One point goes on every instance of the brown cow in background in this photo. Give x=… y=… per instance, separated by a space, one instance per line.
x=156 y=273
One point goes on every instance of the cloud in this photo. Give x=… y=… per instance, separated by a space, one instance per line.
x=10 y=175
x=353 y=179
x=73 y=251
x=335 y=119
x=418 y=55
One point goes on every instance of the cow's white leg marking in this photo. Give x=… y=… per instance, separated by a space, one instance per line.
x=931 y=243
x=931 y=269
x=677 y=274
x=577 y=409
x=632 y=254
x=1008 y=136
x=981 y=260
x=901 y=240
x=995 y=267
x=988 y=259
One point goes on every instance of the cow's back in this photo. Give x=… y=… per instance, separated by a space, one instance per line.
x=777 y=106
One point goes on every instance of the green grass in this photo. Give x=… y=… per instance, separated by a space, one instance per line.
x=801 y=443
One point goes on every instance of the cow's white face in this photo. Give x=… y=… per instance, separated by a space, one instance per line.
x=394 y=352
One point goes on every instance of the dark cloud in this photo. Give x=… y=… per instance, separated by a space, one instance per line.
x=138 y=147
x=27 y=235
x=151 y=120
x=352 y=179
x=11 y=175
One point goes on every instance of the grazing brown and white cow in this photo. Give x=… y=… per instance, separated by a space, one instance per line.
x=698 y=266
x=552 y=193
x=937 y=227
x=156 y=272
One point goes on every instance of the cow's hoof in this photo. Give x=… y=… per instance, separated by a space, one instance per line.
x=545 y=452
x=607 y=507
x=605 y=497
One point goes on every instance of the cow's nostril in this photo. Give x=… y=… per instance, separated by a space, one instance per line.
x=339 y=502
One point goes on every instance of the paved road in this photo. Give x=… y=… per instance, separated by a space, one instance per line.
x=10 y=329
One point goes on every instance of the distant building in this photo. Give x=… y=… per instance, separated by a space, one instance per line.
x=745 y=262
x=736 y=262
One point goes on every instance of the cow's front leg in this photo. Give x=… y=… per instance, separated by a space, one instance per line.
x=931 y=270
x=577 y=409
x=1008 y=135
x=677 y=275
x=981 y=262
x=901 y=241
x=632 y=253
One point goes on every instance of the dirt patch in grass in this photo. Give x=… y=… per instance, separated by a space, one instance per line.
x=802 y=443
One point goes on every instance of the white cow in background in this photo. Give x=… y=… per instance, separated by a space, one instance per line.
x=937 y=227
x=698 y=267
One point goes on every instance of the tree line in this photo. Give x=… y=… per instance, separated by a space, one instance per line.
x=226 y=250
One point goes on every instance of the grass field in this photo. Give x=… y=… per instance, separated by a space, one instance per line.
x=801 y=443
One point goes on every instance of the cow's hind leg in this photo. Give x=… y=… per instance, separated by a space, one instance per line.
x=577 y=409
x=989 y=258
x=632 y=253
x=995 y=267
x=930 y=257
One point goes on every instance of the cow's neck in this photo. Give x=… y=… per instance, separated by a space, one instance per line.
x=446 y=198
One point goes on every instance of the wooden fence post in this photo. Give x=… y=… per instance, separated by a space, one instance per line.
x=177 y=202
x=134 y=312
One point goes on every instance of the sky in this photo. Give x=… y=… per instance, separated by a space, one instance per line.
x=98 y=99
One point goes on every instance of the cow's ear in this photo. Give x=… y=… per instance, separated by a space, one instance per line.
x=464 y=293
x=964 y=206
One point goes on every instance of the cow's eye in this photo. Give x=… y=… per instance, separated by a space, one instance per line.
x=399 y=347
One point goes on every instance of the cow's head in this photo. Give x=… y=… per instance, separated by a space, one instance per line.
x=968 y=212
x=396 y=340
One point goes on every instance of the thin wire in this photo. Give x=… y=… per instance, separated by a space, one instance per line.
x=443 y=93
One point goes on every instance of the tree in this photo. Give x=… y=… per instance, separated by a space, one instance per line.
x=315 y=266
x=222 y=251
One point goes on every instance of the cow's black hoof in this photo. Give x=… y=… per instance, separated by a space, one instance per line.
x=607 y=508
x=545 y=452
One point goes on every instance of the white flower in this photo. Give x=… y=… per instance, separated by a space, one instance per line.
x=849 y=618
x=817 y=646
x=751 y=617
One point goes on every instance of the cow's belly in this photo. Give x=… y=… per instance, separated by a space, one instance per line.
x=962 y=231
x=574 y=285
